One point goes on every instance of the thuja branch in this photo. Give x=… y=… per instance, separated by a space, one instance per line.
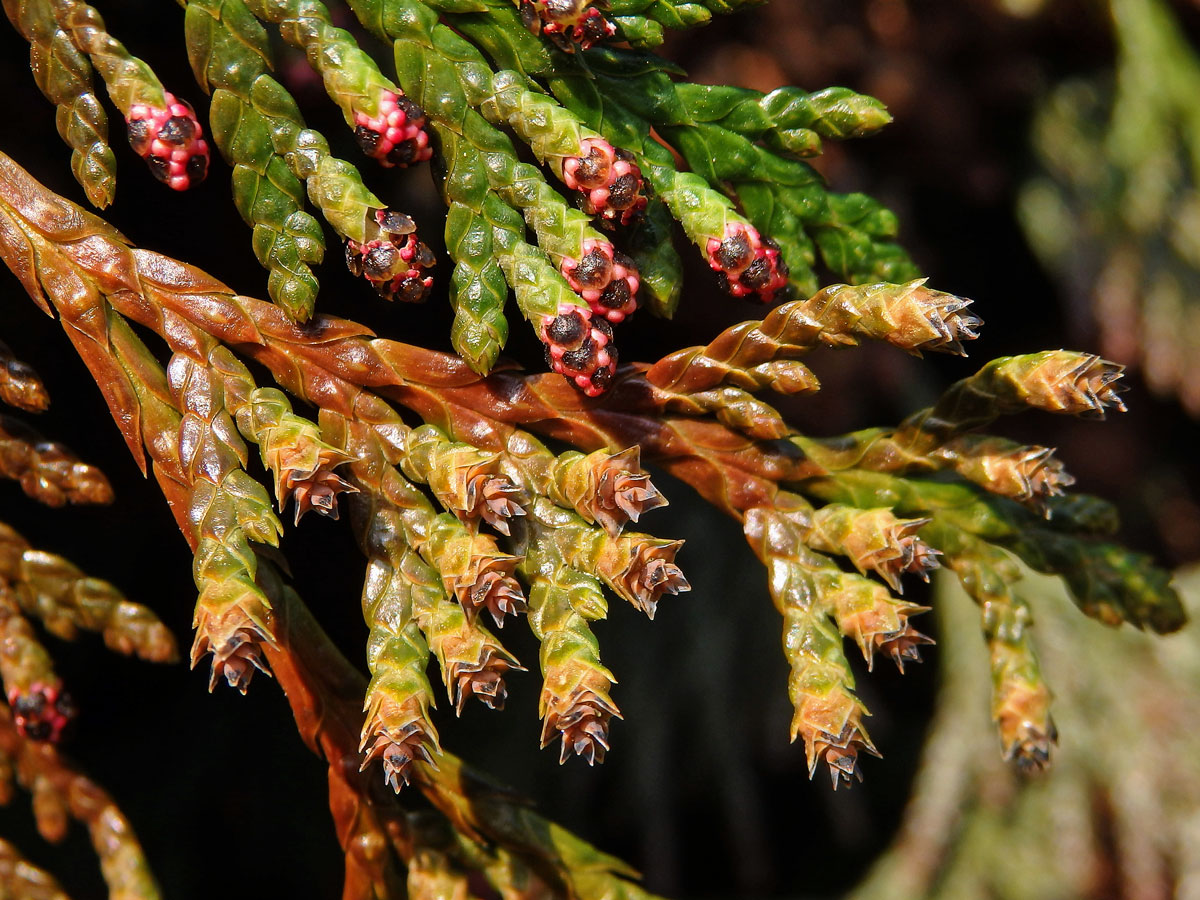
x=338 y=367
x=513 y=843
x=464 y=516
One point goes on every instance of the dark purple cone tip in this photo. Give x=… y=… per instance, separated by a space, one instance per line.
x=43 y=712
x=748 y=263
x=396 y=135
x=569 y=23
x=579 y=347
x=171 y=141
x=608 y=180
x=607 y=280
x=392 y=259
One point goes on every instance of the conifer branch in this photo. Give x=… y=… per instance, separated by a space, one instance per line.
x=1109 y=583
x=64 y=76
x=60 y=792
x=228 y=509
x=1020 y=696
x=788 y=119
x=258 y=127
x=403 y=591
x=65 y=600
x=828 y=714
x=759 y=354
x=511 y=843
x=22 y=880
x=250 y=112
x=291 y=446
x=404 y=431
x=1054 y=381
x=575 y=703
x=387 y=125
x=162 y=130
x=428 y=53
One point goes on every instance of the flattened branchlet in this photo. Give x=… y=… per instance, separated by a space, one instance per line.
x=484 y=494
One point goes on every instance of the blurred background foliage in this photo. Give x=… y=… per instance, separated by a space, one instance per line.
x=1043 y=161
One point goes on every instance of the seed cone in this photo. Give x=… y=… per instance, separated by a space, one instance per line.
x=608 y=180
x=171 y=140
x=747 y=263
x=901 y=645
x=867 y=612
x=582 y=727
x=316 y=489
x=609 y=489
x=483 y=679
x=605 y=278
x=1020 y=696
x=569 y=23
x=827 y=714
x=909 y=316
x=1029 y=474
x=41 y=712
x=396 y=135
x=226 y=509
x=875 y=540
x=475 y=572
x=236 y=646
x=399 y=591
x=579 y=347
x=391 y=258
x=232 y=617
x=303 y=470
x=397 y=735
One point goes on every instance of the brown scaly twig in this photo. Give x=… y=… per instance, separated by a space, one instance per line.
x=20 y=385
x=22 y=880
x=47 y=470
x=60 y=793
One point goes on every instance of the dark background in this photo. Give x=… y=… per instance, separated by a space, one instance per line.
x=701 y=791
